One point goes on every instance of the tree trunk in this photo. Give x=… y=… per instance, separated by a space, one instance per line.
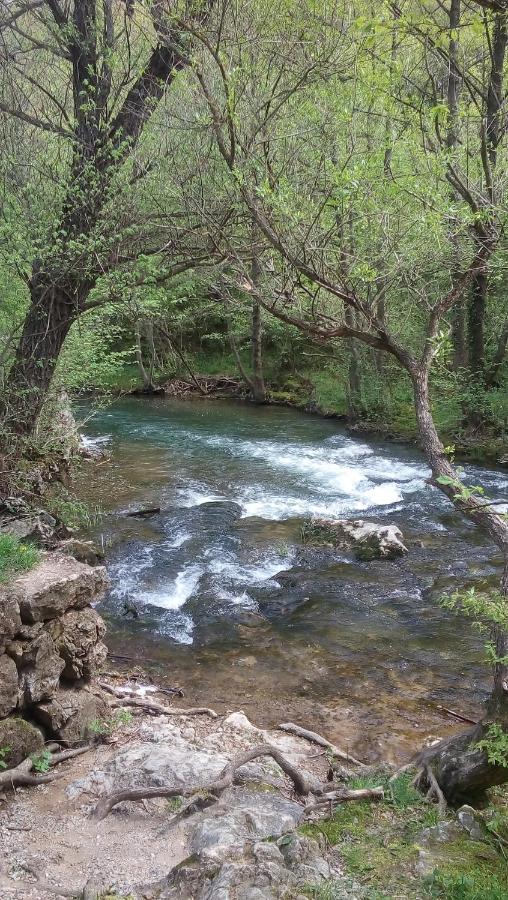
x=460 y=768
x=354 y=371
x=146 y=377
x=257 y=382
x=476 y=322
x=52 y=311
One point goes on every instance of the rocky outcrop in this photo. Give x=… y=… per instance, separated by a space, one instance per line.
x=69 y=714
x=19 y=739
x=368 y=540
x=50 y=638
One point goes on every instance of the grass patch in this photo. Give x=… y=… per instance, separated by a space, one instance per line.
x=378 y=846
x=15 y=557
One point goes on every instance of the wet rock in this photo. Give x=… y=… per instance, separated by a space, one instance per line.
x=8 y=685
x=242 y=815
x=39 y=667
x=69 y=714
x=368 y=540
x=77 y=636
x=471 y=822
x=21 y=738
x=57 y=584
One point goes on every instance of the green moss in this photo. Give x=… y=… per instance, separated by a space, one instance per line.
x=15 y=557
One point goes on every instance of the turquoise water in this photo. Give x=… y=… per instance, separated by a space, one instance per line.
x=232 y=603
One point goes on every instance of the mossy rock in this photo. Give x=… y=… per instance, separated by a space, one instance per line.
x=19 y=739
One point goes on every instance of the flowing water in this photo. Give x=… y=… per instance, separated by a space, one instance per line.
x=239 y=611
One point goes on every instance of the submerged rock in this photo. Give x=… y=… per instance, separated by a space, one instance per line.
x=368 y=540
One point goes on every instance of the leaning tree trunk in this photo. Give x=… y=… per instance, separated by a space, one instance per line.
x=52 y=311
x=460 y=768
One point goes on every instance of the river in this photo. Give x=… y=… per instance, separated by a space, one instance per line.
x=235 y=608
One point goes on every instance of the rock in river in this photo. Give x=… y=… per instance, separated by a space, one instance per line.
x=368 y=540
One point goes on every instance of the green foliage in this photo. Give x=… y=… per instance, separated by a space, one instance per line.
x=495 y=744
x=41 y=761
x=4 y=752
x=104 y=728
x=72 y=512
x=15 y=557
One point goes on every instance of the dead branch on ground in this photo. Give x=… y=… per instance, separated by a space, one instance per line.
x=315 y=738
x=20 y=775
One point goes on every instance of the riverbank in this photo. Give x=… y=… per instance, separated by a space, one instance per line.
x=265 y=835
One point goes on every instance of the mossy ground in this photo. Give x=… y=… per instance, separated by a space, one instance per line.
x=378 y=846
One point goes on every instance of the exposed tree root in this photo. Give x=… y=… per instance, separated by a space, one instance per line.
x=216 y=787
x=20 y=775
x=322 y=741
x=340 y=796
x=301 y=783
x=158 y=709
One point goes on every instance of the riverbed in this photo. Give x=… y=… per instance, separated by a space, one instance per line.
x=239 y=611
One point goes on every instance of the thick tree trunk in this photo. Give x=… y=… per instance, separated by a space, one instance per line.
x=476 y=322
x=52 y=311
x=460 y=768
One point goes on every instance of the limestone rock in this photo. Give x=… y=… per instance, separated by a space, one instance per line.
x=69 y=714
x=77 y=636
x=21 y=738
x=8 y=685
x=57 y=584
x=37 y=528
x=471 y=822
x=242 y=815
x=10 y=619
x=84 y=551
x=368 y=540
x=39 y=666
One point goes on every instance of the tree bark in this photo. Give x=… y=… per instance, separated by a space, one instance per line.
x=258 y=381
x=53 y=309
x=146 y=376
x=462 y=770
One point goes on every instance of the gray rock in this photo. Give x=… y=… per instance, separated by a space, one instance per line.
x=57 y=584
x=8 y=685
x=77 y=636
x=10 y=619
x=34 y=528
x=433 y=844
x=241 y=816
x=69 y=714
x=471 y=822
x=84 y=551
x=22 y=739
x=39 y=667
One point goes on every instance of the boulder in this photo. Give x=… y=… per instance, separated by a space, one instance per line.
x=368 y=540
x=37 y=528
x=69 y=714
x=39 y=666
x=77 y=636
x=57 y=584
x=10 y=619
x=8 y=685
x=84 y=551
x=21 y=738
x=244 y=815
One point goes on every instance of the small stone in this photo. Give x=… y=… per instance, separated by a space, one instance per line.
x=471 y=822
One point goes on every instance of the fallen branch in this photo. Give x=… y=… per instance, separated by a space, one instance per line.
x=323 y=742
x=143 y=513
x=456 y=715
x=216 y=787
x=343 y=795
x=119 y=692
x=434 y=790
x=159 y=710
